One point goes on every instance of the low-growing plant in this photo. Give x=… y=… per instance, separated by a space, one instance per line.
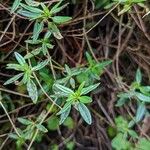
x=138 y=92
x=126 y=5
x=93 y=71
x=42 y=15
x=69 y=88
x=125 y=137
x=27 y=77
x=29 y=131
x=76 y=98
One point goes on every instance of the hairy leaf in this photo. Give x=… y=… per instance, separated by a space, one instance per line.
x=13 y=79
x=32 y=90
x=85 y=113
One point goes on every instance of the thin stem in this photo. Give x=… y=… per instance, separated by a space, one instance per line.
x=45 y=91
x=37 y=130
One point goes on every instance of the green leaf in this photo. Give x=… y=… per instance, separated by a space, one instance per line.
x=65 y=108
x=47 y=35
x=29 y=14
x=120 y=143
x=101 y=3
x=142 y=97
x=64 y=89
x=133 y=134
x=85 y=99
x=138 y=76
x=55 y=31
x=145 y=89
x=143 y=144
x=50 y=46
x=13 y=79
x=15 y=67
x=24 y=121
x=20 y=59
x=89 y=58
x=46 y=10
x=72 y=83
x=33 y=42
x=64 y=115
x=89 y=88
x=56 y=8
x=122 y=124
x=15 y=6
x=13 y=136
x=140 y=112
x=32 y=3
x=110 y=5
x=53 y=123
x=126 y=95
x=41 y=128
x=121 y=102
x=61 y=19
x=32 y=90
x=125 y=9
x=26 y=77
x=101 y=65
x=31 y=9
x=44 y=49
x=67 y=69
x=40 y=65
x=32 y=53
x=81 y=87
x=69 y=122
x=85 y=113
x=38 y=27
x=70 y=145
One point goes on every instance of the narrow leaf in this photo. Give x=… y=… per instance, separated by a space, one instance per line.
x=38 y=27
x=29 y=14
x=61 y=19
x=140 y=112
x=15 y=67
x=13 y=79
x=56 y=8
x=65 y=108
x=64 y=115
x=89 y=58
x=41 y=128
x=89 y=88
x=85 y=99
x=45 y=8
x=40 y=65
x=25 y=78
x=142 y=97
x=85 y=113
x=138 y=76
x=64 y=89
x=133 y=133
x=24 y=121
x=13 y=136
x=32 y=3
x=20 y=59
x=31 y=9
x=32 y=90
x=15 y=6
x=33 y=53
x=55 y=31
x=121 y=102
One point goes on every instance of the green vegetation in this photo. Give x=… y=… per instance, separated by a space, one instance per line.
x=67 y=83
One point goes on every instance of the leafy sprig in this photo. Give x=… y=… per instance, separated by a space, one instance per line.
x=77 y=99
x=26 y=75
